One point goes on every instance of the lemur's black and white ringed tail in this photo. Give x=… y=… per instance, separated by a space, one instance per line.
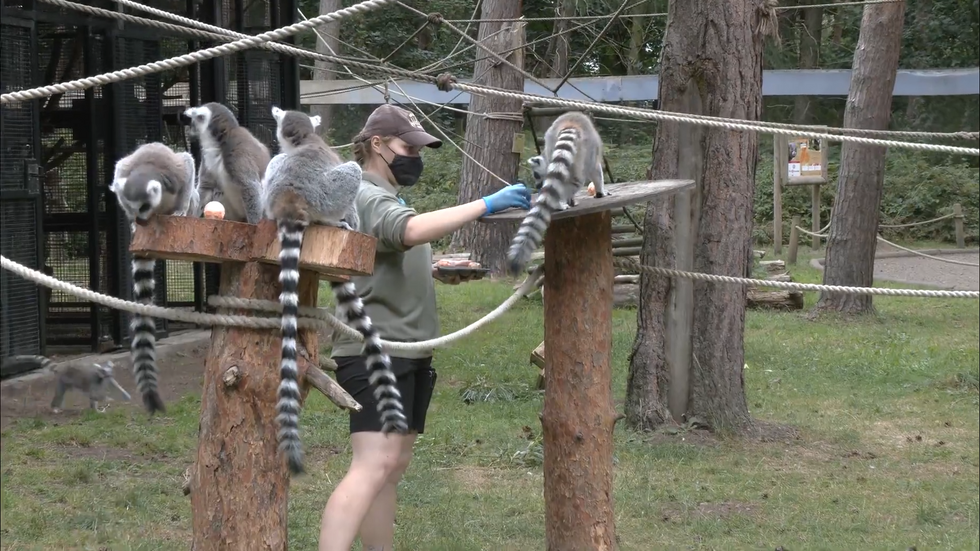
x=143 y=345
x=352 y=311
x=287 y=409
x=390 y=408
x=557 y=184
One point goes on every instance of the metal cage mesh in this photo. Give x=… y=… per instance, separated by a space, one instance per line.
x=20 y=321
x=70 y=226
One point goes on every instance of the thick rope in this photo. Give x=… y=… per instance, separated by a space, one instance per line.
x=922 y=254
x=894 y=226
x=628 y=264
x=191 y=58
x=313 y=318
x=528 y=287
x=447 y=81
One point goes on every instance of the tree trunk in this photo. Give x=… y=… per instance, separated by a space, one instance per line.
x=490 y=141
x=578 y=415
x=810 y=33
x=325 y=70
x=712 y=65
x=239 y=481
x=556 y=57
x=854 y=226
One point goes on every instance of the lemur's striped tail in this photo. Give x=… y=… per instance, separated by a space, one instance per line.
x=557 y=184
x=143 y=346
x=350 y=307
x=288 y=407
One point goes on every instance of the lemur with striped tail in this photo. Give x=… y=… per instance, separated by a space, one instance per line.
x=573 y=151
x=308 y=184
x=151 y=180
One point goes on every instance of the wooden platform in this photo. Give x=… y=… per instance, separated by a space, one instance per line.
x=622 y=195
x=326 y=250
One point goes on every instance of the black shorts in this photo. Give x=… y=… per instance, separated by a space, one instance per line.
x=416 y=381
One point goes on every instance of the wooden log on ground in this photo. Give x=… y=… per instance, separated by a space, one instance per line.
x=774 y=300
x=579 y=415
x=773 y=266
x=629 y=242
x=239 y=482
x=626 y=295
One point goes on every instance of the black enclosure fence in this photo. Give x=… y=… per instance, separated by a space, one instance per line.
x=58 y=153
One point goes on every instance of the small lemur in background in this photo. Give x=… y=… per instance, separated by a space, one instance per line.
x=574 y=150
x=308 y=183
x=93 y=380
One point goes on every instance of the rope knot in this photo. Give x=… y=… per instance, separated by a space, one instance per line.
x=435 y=18
x=445 y=81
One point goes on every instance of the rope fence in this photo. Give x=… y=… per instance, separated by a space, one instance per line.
x=317 y=318
x=797 y=229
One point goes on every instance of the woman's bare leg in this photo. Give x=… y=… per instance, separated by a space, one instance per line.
x=376 y=456
x=378 y=527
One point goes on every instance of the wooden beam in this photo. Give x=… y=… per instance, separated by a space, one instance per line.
x=621 y=194
x=326 y=250
x=612 y=89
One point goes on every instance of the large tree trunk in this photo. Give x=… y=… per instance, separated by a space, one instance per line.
x=712 y=65
x=325 y=70
x=810 y=33
x=854 y=226
x=490 y=140
x=556 y=57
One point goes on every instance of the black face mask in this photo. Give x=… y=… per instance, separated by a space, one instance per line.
x=406 y=170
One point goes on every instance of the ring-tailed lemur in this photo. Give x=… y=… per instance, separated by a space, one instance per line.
x=232 y=161
x=93 y=379
x=151 y=180
x=537 y=170
x=309 y=184
x=574 y=149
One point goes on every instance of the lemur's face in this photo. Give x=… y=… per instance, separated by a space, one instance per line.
x=537 y=170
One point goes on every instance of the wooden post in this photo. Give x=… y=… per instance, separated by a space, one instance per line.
x=794 y=240
x=779 y=160
x=239 y=483
x=958 y=224
x=815 y=214
x=579 y=416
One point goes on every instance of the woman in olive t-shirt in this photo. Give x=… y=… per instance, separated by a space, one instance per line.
x=399 y=297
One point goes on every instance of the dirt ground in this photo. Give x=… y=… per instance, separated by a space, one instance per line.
x=181 y=363
x=918 y=269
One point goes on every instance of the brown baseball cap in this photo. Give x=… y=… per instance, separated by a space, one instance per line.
x=391 y=120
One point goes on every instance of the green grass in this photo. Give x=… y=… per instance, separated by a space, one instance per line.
x=887 y=455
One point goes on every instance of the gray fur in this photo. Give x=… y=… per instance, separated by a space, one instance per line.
x=93 y=380
x=154 y=180
x=573 y=150
x=538 y=167
x=309 y=184
x=232 y=161
x=312 y=174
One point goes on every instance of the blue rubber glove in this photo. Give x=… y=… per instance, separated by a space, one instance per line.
x=516 y=195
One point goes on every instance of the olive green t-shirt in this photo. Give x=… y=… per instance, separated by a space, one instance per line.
x=399 y=295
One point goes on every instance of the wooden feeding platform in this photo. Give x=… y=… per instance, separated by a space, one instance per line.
x=239 y=483
x=579 y=415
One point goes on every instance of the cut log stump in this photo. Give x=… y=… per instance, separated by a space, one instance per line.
x=239 y=482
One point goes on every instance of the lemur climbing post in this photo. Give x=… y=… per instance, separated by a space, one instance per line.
x=239 y=482
x=579 y=415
